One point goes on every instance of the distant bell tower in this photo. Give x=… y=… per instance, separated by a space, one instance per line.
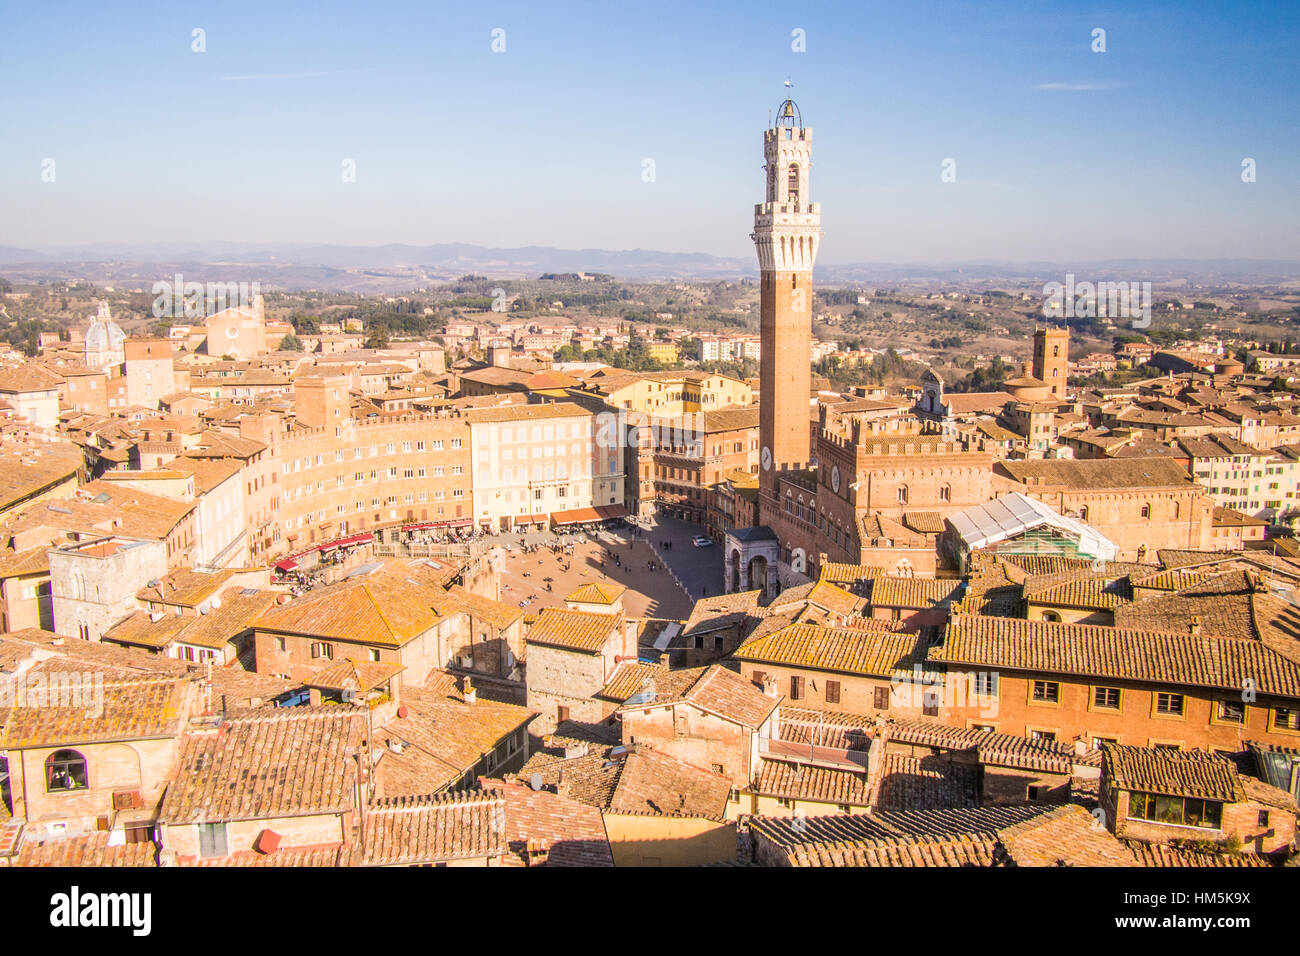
x=1052 y=358
x=787 y=231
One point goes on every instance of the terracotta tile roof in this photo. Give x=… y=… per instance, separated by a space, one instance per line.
x=926 y=522
x=837 y=573
x=914 y=783
x=441 y=739
x=349 y=674
x=215 y=629
x=1220 y=604
x=584 y=631
x=496 y=613
x=1168 y=854
x=1178 y=773
x=258 y=767
x=323 y=855
x=965 y=837
x=800 y=781
x=726 y=694
x=594 y=593
x=1003 y=750
x=564 y=832
x=1036 y=564
x=913 y=592
x=1078 y=589
x=656 y=783
x=724 y=610
x=846 y=650
x=185 y=586
x=1174 y=558
x=824 y=728
x=1119 y=652
x=140 y=630
x=133 y=709
x=654 y=681
x=591 y=777
x=957 y=850
x=1065 y=836
x=1171 y=579
x=434 y=828
x=835 y=599
x=1267 y=794
x=31 y=561
x=92 y=849
x=631 y=779
x=389 y=606
x=523 y=413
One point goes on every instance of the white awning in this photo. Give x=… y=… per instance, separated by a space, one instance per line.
x=1015 y=514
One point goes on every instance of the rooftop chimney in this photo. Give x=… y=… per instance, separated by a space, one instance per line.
x=1194 y=628
x=470 y=692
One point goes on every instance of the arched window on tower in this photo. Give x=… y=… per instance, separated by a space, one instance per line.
x=792 y=185
x=902 y=494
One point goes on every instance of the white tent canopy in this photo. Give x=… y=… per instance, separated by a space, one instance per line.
x=1015 y=514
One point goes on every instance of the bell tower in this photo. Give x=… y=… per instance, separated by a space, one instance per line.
x=787 y=232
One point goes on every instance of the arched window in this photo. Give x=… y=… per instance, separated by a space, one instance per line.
x=65 y=770
x=1174 y=511
x=945 y=493
x=902 y=494
x=1146 y=511
x=792 y=184
x=1083 y=513
x=1052 y=617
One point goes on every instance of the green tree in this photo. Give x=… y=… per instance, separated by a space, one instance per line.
x=291 y=343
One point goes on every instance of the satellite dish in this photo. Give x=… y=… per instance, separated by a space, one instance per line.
x=535 y=781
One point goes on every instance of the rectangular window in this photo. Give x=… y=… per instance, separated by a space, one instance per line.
x=881 y=698
x=1231 y=711
x=1285 y=718
x=832 y=692
x=212 y=840
x=986 y=683
x=796 y=688
x=1047 y=692
x=1105 y=698
x=1169 y=704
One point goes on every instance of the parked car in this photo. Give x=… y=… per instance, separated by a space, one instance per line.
x=700 y=541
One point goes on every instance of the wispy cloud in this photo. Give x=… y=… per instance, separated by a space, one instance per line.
x=1080 y=87
x=287 y=76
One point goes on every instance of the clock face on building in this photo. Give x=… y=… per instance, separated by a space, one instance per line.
x=767 y=458
x=835 y=478
x=232 y=332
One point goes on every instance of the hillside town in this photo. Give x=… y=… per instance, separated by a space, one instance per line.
x=270 y=598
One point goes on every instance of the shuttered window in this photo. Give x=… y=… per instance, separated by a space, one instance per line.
x=882 y=698
x=832 y=692
x=796 y=688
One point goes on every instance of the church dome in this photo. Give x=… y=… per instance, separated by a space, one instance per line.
x=104 y=335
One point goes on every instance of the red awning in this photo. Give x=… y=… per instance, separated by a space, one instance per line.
x=287 y=565
x=612 y=511
x=576 y=516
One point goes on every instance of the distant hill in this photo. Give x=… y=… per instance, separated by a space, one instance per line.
x=396 y=268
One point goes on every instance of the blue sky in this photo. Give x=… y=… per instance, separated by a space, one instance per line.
x=1061 y=153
